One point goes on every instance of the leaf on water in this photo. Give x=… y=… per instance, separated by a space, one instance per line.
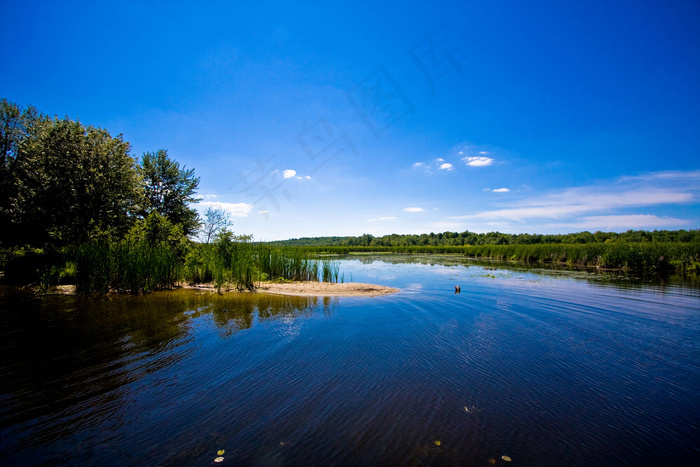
x=438 y=443
x=219 y=459
x=506 y=458
x=220 y=452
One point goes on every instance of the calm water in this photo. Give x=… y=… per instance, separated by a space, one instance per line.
x=546 y=368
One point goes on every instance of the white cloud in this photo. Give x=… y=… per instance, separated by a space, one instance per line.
x=419 y=164
x=414 y=209
x=234 y=209
x=440 y=159
x=674 y=176
x=210 y=196
x=624 y=222
x=478 y=161
x=608 y=205
x=264 y=211
x=579 y=201
x=290 y=173
x=382 y=219
x=446 y=166
x=501 y=190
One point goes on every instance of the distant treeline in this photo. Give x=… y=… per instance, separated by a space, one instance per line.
x=649 y=256
x=633 y=250
x=467 y=238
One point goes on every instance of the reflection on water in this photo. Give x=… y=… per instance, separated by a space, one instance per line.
x=620 y=279
x=545 y=367
x=61 y=354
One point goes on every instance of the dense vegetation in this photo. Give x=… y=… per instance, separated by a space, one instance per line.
x=635 y=249
x=77 y=207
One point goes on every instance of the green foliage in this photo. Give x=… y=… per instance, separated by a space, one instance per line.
x=236 y=261
x=466 y=238
x=63 y=182
x=125 y=266
x=74 y=205
x=639 y=256
x=155 y=230
x=150 y=257
x=169 y=190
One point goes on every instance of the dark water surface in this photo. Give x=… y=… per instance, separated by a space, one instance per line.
x=546 y=368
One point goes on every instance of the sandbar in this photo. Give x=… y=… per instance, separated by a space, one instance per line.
x=313 y=288
x=298 y=288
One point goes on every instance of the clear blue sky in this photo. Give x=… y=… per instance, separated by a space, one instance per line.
x=344 y=118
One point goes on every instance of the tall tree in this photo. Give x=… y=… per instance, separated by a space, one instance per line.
x=63 y=182
x=169 y=190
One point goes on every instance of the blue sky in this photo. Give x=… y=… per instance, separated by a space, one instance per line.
x=344 y=118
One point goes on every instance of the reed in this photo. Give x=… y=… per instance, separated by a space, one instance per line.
x=243 y=264
x=125 y=266
x=640 y=256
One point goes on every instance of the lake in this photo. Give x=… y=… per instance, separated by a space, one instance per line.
x=542 y=367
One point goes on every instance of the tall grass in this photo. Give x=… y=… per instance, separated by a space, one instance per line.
x=640 y=256
x=125 y=267
x=286 y=263
x=137 y=267
x=243 y=264
x=330 y=271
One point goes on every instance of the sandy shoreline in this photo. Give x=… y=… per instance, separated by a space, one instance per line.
x=310 y=289
x=302 y=288
x=325 y=289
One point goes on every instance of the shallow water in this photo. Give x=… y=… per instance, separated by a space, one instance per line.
x=548 y=368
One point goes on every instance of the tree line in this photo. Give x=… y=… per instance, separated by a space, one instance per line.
x=467 y=238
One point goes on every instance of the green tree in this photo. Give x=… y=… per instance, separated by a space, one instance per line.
x=169 y=190
x=63 y=183
x=156 y=230
x=17 y=126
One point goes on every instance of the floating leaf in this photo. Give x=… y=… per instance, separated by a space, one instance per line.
x=506 y=458
x=438 y=443
x=220 y=452
x=219 y=459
